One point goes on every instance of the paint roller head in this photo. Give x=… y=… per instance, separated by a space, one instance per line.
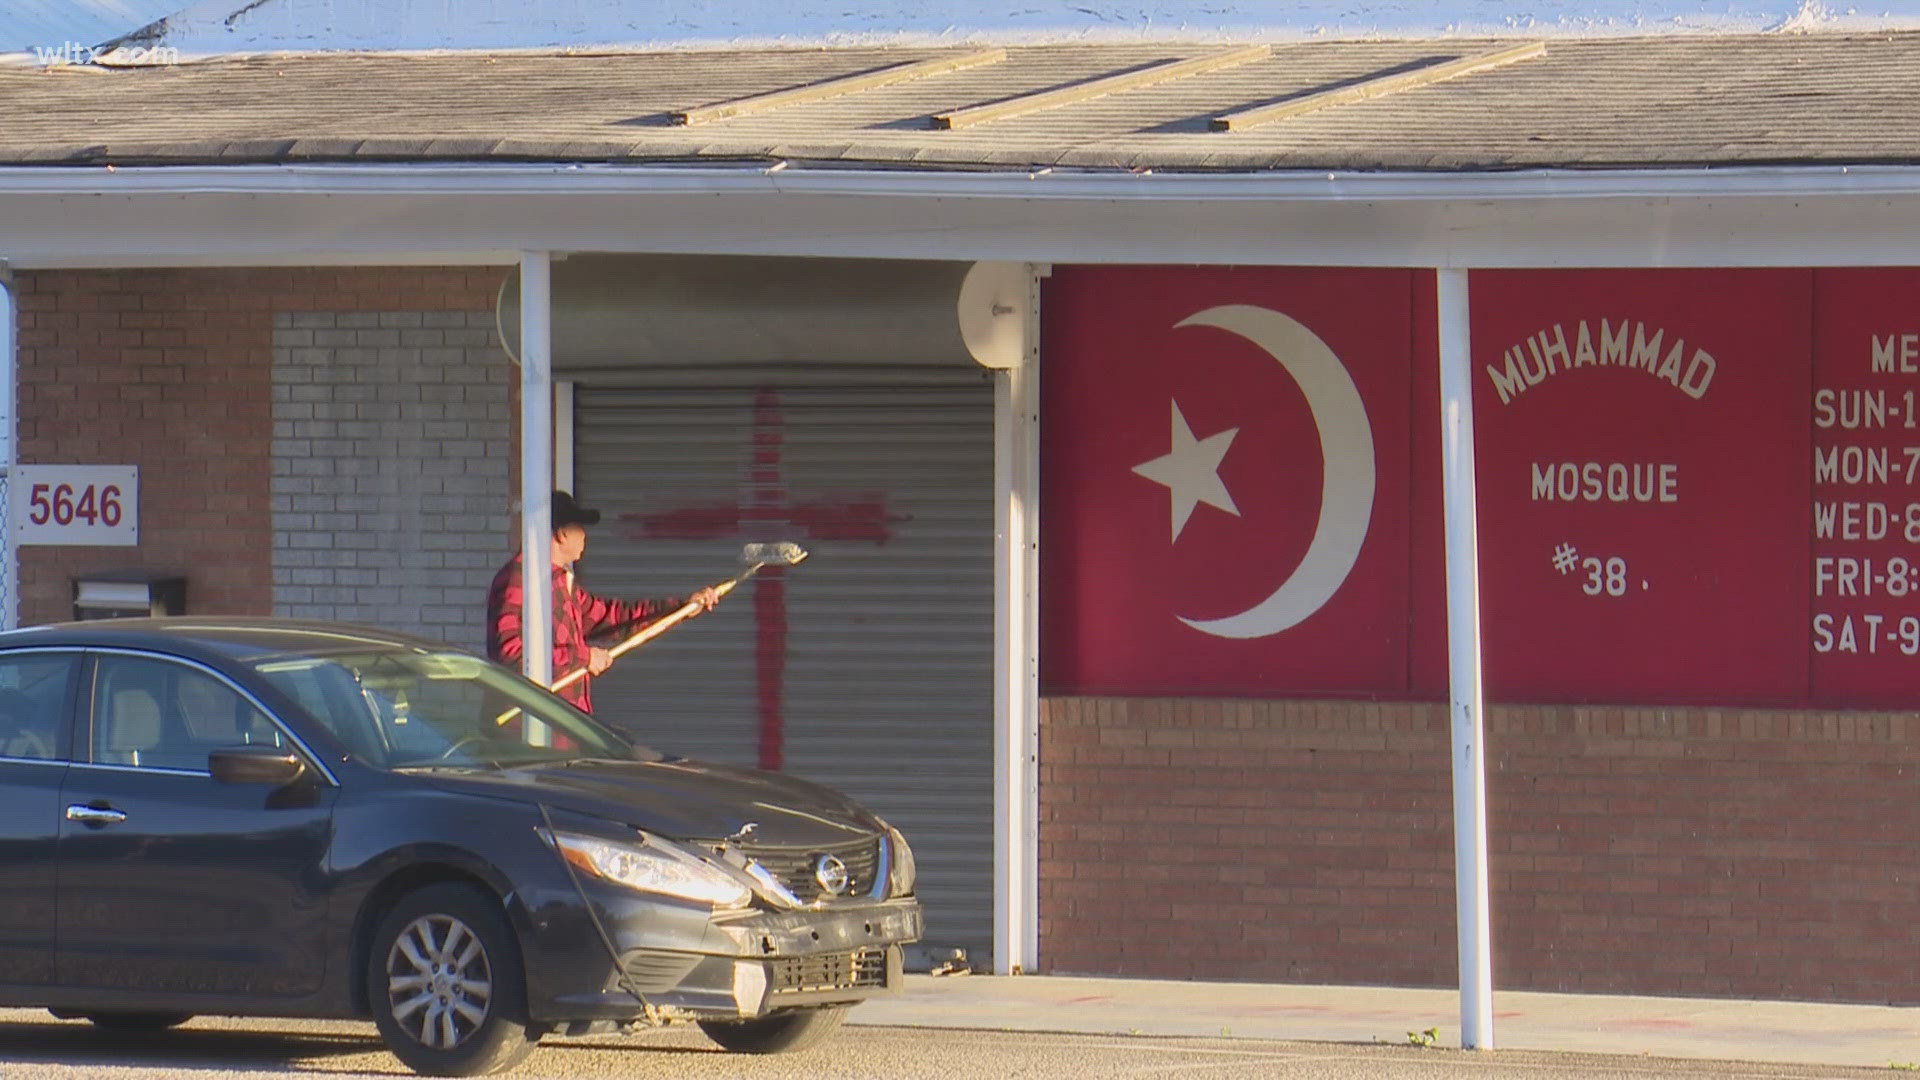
x=784 y=553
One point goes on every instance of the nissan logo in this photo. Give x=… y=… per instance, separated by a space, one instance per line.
x=832 y=875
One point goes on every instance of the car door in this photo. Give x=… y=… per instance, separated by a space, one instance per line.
x=35 y=703
x=171 y=881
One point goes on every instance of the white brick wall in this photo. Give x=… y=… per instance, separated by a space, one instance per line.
x=392 y=447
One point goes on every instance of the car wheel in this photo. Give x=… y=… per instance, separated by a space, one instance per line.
x=445 y=986
x=131 y=1021
x=780 y=1033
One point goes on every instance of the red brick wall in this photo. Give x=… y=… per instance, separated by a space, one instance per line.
x=170 y=370
x=1653 y=851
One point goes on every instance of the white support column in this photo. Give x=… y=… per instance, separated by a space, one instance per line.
x=1016 y=739
x=1463 y=647
x=536 y=463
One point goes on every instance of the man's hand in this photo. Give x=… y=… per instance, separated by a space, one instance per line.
x=598 y=660
x=706 y=598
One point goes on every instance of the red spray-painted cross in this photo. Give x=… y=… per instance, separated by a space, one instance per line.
x=770 y=515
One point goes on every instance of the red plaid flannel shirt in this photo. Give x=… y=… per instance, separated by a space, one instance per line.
x=578 y=616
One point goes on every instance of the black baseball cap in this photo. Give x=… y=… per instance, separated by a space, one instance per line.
x=567 y=512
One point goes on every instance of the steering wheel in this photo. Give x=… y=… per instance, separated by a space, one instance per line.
x=449 y=751
x=26 y=743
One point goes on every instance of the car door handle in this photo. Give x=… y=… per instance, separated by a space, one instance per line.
x=95 y=815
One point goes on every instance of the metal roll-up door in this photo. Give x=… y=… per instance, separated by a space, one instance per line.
x=869 y=667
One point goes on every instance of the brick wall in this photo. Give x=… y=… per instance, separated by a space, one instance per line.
x=171 y=370
x=393 y=424
x=1677 y=851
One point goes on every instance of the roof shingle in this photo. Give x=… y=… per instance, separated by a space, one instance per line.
x=1610 y=102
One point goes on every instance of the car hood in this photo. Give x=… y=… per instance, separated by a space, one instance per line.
x=677 y=797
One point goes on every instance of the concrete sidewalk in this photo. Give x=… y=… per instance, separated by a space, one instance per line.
x=1867 y=1035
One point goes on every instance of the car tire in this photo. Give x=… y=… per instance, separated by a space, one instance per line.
x=445 y=986
x=130 y=1022
x=780 y=1033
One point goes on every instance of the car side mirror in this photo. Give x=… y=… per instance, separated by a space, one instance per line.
x=268 y=765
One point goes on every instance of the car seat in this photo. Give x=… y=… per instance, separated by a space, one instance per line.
x=133 y=727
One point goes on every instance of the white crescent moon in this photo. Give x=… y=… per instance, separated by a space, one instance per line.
x=1347 y=479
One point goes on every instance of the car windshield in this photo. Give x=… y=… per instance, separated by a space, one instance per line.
x=397 y=708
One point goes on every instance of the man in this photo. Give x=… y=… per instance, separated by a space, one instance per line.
x=578 y=615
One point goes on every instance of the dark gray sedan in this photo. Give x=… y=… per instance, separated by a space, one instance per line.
x=252 y=817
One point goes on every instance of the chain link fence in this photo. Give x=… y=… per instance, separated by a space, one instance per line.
x=9 y=379
x=9 y=560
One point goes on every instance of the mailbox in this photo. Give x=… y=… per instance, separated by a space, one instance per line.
x=121 y=594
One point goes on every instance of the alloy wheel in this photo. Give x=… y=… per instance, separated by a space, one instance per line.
x=439 y=982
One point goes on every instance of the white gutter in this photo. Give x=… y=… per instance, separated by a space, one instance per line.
x=427 y=214
x=458 y=178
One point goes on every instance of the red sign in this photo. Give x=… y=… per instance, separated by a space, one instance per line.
x=1429 y=670
x=1642 y=471
x=1866 y=487
x=1225 y=480
x=1696 y=486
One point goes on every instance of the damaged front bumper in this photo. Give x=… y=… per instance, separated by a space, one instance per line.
x=679 y=963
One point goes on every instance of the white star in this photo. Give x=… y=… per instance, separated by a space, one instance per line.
x=1191 y=471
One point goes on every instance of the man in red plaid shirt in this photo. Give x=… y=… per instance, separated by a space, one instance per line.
x=578 y=615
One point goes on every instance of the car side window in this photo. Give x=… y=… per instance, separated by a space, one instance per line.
x=33 y=699
x=216 y=716
x=164 y=715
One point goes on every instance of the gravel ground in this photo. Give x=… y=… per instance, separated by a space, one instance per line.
x=33 y=1046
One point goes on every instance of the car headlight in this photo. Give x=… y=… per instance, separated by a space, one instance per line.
x=901 y=870
x=650 y=865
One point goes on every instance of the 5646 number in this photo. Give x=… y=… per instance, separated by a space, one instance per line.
x=56 y=503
